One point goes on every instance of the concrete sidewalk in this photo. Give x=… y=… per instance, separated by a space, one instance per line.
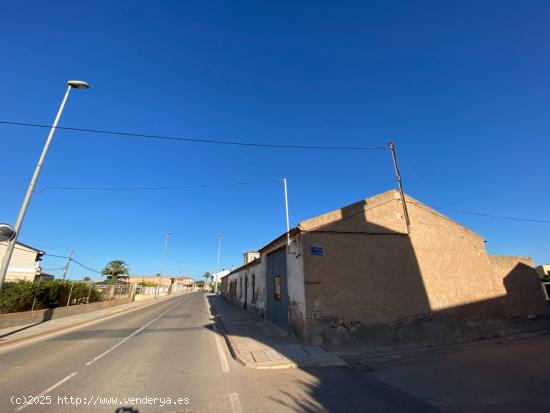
x=262 y=345
x=22 y=333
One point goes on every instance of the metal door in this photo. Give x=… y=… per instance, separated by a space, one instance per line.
x=277 y=293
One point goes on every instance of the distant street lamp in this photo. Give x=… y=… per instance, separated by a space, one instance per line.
x=215 y=282
x=166 y=239
x=72 y=84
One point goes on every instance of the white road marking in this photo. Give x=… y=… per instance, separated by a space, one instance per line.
x=49 y=389
x=130 y=336
x=235 y=403
x=219 y=344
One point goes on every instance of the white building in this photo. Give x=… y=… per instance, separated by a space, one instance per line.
x=217 y=276
x=25 y=262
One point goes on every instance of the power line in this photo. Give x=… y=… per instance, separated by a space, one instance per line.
x=75 y=261
x=85 y=266
x=150 y=188
x=483 y=214
x=56 y=256
x=197 y=140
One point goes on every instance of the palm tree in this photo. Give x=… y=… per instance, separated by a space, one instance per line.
x=114 y=269
x=206 y=276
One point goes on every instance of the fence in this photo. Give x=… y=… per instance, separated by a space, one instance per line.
x=42 y=294
x=114 y=291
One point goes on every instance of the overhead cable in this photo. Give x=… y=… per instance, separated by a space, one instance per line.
x=483 y=214
x=197 y=140
x=150 y=188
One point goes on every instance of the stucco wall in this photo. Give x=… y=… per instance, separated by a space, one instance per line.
x=374 y=282
x=258 y=304
x=524 y=294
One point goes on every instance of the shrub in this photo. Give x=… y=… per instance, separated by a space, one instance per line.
x=19 y=296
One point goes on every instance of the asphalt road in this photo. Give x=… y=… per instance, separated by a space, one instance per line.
x=171 y=357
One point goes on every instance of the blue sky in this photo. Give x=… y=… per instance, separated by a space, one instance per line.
x=462 y=88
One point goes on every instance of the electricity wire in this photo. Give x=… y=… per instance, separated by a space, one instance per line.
x=197 y=140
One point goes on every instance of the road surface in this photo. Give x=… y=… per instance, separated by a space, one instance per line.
x=170 y=357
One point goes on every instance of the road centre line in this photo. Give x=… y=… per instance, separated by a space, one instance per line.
x=23 y=342
x=131 y=335
x=235 y=403
x=49 y=389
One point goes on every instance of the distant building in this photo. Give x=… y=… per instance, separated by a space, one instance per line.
x=25 y=262
x=217 y=276
x=175 y=284
x=543 y=270
x=358 y=275
x=250 y=256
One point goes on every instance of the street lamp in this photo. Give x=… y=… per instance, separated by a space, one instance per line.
x=71 y=84
x=7 y=233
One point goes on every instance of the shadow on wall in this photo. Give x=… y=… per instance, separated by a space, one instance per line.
x=46 y=316
x=373 y=285
x=369 y=274
x=480 y=320
x=378 y=285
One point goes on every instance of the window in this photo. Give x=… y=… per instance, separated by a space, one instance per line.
x=240 y=288
x=277 y=287
x=253 y=288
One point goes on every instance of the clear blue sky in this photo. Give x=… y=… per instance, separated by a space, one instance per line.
x=462 y=87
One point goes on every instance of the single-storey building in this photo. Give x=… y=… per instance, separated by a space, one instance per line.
x=363 y=275
x=24 y=263
x=172 y=283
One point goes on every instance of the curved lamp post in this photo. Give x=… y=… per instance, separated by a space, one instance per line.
x=71 y=84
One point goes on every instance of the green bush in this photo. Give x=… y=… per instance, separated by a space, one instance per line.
x=147 y=283
x=16 y=296
x=19 y=296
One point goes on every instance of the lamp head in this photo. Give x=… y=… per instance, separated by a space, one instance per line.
x=7 y=233
x=78 y=84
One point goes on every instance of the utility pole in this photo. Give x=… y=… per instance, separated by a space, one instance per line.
x=400 y=183
x=286 y=214
x=66 y=268
x=89 y=292
x=71 y=84
x=220 y=237
x=70 y=293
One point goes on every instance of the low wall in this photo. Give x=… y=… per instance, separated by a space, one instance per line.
x=39 y=316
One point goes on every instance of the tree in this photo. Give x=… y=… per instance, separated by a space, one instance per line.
x=206 y=277
x=115 y=269
x=87 y=279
